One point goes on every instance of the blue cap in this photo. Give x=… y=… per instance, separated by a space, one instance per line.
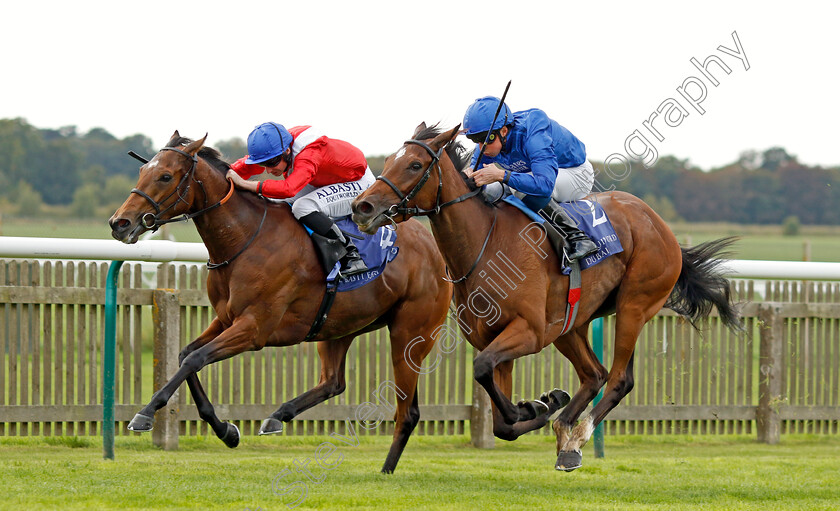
x=267 y=141
x=479 y=116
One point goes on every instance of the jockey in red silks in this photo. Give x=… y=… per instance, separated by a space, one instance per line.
x=529 y=153
x=322 y=176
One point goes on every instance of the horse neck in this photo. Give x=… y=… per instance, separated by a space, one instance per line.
x=460 y=229
x=228 y=227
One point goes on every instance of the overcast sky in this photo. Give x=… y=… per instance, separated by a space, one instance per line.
x=369 y=72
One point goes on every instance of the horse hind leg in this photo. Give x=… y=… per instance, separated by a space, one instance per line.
x=619 y=383
x=592 y=375
x=333 y=355
x=639 y=299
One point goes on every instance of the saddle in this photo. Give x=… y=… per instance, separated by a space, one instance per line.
x=377 y=250
x=592 y=220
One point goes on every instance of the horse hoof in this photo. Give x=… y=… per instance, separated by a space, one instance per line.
x=568 y=460
x=141 y=423
x=231 y=438
x=271 y=426
x=531 y=409
x=557 y=397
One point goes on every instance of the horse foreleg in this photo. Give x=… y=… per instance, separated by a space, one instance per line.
x=226 y=431
x=504 y=379
x=333 y=355
x=232 y=341
x=516 y=340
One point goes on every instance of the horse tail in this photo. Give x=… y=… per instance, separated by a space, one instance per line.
x=701 y=285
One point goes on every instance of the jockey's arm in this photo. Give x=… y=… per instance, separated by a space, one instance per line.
x=239 y=173
x=539 y=181
x=487 y=174
x=303 y=172
x=242 y=184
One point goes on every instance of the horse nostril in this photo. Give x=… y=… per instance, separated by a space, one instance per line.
x=364 y=207
x=119 y=224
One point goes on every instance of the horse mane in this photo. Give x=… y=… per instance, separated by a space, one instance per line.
x=456 y=151
x=209 y=154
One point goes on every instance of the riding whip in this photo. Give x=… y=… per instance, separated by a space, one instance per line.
x=486 y=139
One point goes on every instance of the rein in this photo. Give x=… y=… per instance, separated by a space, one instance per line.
x=401 y=209
x=213 y=266
x=153 y=221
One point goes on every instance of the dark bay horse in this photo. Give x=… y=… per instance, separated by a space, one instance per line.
x=268 y=285
x=511 y=295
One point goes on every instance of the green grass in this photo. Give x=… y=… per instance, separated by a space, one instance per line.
x=639 y=473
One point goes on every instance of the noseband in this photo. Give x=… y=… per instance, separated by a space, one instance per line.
x=153 y=221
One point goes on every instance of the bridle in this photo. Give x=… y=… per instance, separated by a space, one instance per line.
x=401 y=207
x=153 y=221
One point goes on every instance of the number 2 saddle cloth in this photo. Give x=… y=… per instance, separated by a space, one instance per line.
x=591 y=219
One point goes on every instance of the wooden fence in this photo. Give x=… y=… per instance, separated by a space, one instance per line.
x=780 y=376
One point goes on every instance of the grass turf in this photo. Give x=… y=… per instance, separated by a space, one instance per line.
x=638 y=473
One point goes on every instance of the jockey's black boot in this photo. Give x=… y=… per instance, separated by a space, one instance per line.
x=581 y=245
x=351 y=260
x=351 y=263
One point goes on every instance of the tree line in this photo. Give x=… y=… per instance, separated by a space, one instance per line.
x=89 y=172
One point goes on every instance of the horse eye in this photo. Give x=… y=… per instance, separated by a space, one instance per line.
x=165 y=178
x=415 y=166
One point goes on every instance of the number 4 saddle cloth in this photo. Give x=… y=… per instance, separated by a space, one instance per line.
x=377 y=250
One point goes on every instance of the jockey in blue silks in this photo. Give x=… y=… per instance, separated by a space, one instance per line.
x=529 y=153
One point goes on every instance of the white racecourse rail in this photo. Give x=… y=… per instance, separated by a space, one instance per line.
x=163 y=250
x=110 y=250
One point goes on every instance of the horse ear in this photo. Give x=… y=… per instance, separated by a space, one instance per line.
x=174 y=136
x=445 y=138
x=420 y=127
x=194 y=147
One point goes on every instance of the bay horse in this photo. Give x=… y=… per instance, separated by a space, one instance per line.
x=266 y=285
x=521 y=309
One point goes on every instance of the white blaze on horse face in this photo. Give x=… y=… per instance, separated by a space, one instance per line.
x=400 y=153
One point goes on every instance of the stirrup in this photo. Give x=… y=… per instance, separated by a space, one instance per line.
x=352 y=264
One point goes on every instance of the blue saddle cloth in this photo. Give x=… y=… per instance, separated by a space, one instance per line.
x=377 y=250
x=591 y=219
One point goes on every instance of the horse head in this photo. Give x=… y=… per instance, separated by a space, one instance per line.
x=164 y=190
x=411 y=183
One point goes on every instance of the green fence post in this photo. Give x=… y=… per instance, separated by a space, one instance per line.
x=109 y=360
x=598 y=348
